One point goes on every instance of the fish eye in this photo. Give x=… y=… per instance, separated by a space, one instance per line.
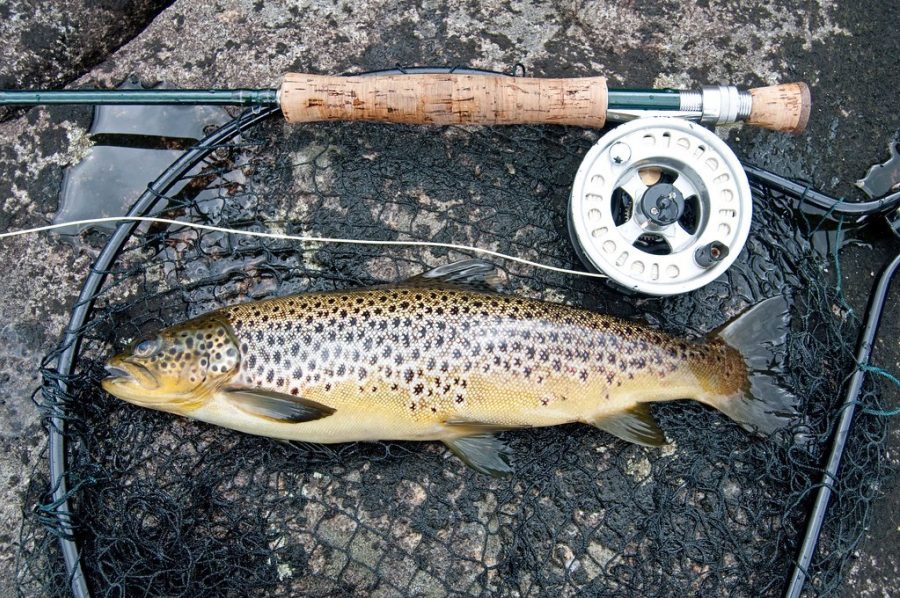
x=146 y=347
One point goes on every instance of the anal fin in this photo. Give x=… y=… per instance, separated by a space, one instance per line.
x=485 y=453
x=634 y=425
x=276 y=406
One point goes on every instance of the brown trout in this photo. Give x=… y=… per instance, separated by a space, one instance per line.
x=443 y=356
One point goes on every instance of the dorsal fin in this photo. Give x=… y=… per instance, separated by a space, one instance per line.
x=471 y=273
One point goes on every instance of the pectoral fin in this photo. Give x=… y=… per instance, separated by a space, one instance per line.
x=484 y=453
x=276 y=406
x=634 y=425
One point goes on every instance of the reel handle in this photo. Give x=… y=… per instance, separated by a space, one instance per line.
x=467 y=99
x=445 y=99
x=782 y=107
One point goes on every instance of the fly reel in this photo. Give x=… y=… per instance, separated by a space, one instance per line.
x=660 y=205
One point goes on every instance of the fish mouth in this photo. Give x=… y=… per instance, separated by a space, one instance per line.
x=122 y=373
x=116 y=372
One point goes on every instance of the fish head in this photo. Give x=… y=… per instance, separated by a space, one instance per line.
x=177 y=369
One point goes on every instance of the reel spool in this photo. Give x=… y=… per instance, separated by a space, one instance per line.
x=660 y=205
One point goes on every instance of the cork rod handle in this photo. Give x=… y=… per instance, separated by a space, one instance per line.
x=445 y=99
x=781 y=107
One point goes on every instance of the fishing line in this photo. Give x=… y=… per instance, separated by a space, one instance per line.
x=301 y=238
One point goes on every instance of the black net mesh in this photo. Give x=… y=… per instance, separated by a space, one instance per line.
x=167 y=506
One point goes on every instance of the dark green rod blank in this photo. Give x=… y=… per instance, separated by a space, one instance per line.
x=221 y=97
x=644 y=99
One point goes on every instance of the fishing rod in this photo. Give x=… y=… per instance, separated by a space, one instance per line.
x=467 y=97
x=676 y=205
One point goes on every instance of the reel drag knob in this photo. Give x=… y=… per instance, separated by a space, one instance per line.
x=661 y=206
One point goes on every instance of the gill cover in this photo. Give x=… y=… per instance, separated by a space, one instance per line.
x=177 y=369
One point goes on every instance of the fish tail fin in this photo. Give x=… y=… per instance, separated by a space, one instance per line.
x=758 y=337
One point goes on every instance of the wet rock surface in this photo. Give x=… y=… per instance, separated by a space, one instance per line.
x=847 y=52
x=49 y=44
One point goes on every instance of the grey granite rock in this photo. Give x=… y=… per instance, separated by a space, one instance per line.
x=52 y=43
